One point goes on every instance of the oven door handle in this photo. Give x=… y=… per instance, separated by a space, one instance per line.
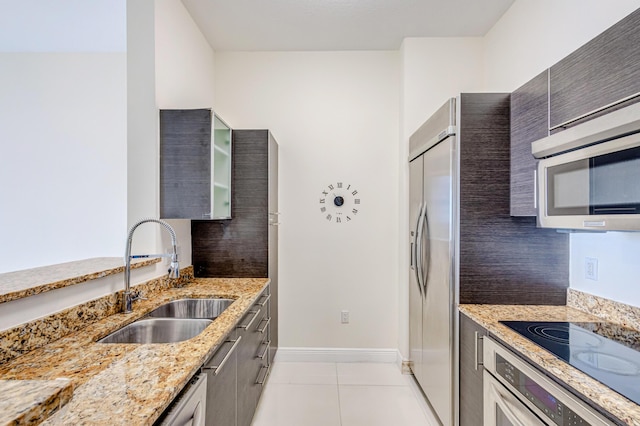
x=515 y=410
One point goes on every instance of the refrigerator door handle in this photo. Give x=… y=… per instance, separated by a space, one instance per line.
x=419 y=247
x=416 y=252
x=425 y=266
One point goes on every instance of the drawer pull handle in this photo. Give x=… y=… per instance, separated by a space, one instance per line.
x=255 y=315
x=262 y=377
x=266 y=349
x=217 y=368
x=265 y=326
x=264 y=300
x=477 y=338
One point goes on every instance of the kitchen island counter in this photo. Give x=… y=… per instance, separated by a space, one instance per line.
x=489 y=316
x=128 y=384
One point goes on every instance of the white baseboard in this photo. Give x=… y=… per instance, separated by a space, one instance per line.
x=391 y=356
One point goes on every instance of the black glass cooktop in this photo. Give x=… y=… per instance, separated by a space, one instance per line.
x=607 y=352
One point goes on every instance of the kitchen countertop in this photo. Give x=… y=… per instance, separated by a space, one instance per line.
x=128 y=384
x=489 y=316
x=28 y=401
x=29 y=282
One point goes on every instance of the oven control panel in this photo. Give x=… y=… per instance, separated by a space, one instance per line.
x=548 y=404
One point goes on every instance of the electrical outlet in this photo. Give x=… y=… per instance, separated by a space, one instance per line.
x=591 y=268
x=344 y=317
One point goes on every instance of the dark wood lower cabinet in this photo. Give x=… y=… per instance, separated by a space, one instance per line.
x=221 y=385
x=249 y=369
x=234 y=385
x=471 y=400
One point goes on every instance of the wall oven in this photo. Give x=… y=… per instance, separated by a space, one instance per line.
x=589 y=175
x=516 y=394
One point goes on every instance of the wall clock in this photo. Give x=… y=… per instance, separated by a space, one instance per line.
x=339 y=202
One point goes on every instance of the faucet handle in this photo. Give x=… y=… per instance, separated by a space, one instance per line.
x=137 y=295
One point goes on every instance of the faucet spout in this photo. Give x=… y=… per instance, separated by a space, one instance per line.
x=174 y=268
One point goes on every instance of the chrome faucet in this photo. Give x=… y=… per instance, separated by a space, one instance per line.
x=174 y=268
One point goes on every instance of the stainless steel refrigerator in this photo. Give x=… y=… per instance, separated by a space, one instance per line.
x=433 y=182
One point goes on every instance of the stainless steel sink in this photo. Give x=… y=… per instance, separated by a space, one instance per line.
x=158 y=330
x=191 y=308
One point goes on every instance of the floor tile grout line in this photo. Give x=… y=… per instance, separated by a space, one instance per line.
x=338 y=390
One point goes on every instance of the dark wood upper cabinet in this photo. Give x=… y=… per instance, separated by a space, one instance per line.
x=604 y=71
x=529 y=122
x=195 y=165
x=597 y=78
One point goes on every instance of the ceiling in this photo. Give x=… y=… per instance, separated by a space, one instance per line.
x=300 y=25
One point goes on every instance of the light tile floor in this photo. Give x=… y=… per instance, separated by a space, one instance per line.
x=341 y=394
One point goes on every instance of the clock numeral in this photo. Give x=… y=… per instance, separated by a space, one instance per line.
x=354 y=211
x=348 y=218
x=329 y=217
x=339 y=184
x=357 y=201
x=323 y=209
x=331 y=187
x=338 y=220
x=323 y=200
x=325 y=193
x=348 y=186
x=354 y=193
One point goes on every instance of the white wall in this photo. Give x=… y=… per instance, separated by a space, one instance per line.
x=335 y=116
x=530 y=37
x=63 y=133
x=533 y=35
x=434 y=70
x=172 y=68
x=99 y=121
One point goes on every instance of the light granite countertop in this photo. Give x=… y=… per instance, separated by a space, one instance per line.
x=625 y=411
x=120 y=384
x=20 y=284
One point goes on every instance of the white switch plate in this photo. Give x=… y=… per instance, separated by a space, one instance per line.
x=591 y=268
x=344 y=317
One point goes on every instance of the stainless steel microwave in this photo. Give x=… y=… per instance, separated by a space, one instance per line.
x=588 y=176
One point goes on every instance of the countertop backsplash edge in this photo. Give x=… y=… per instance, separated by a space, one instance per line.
x=610 y=310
